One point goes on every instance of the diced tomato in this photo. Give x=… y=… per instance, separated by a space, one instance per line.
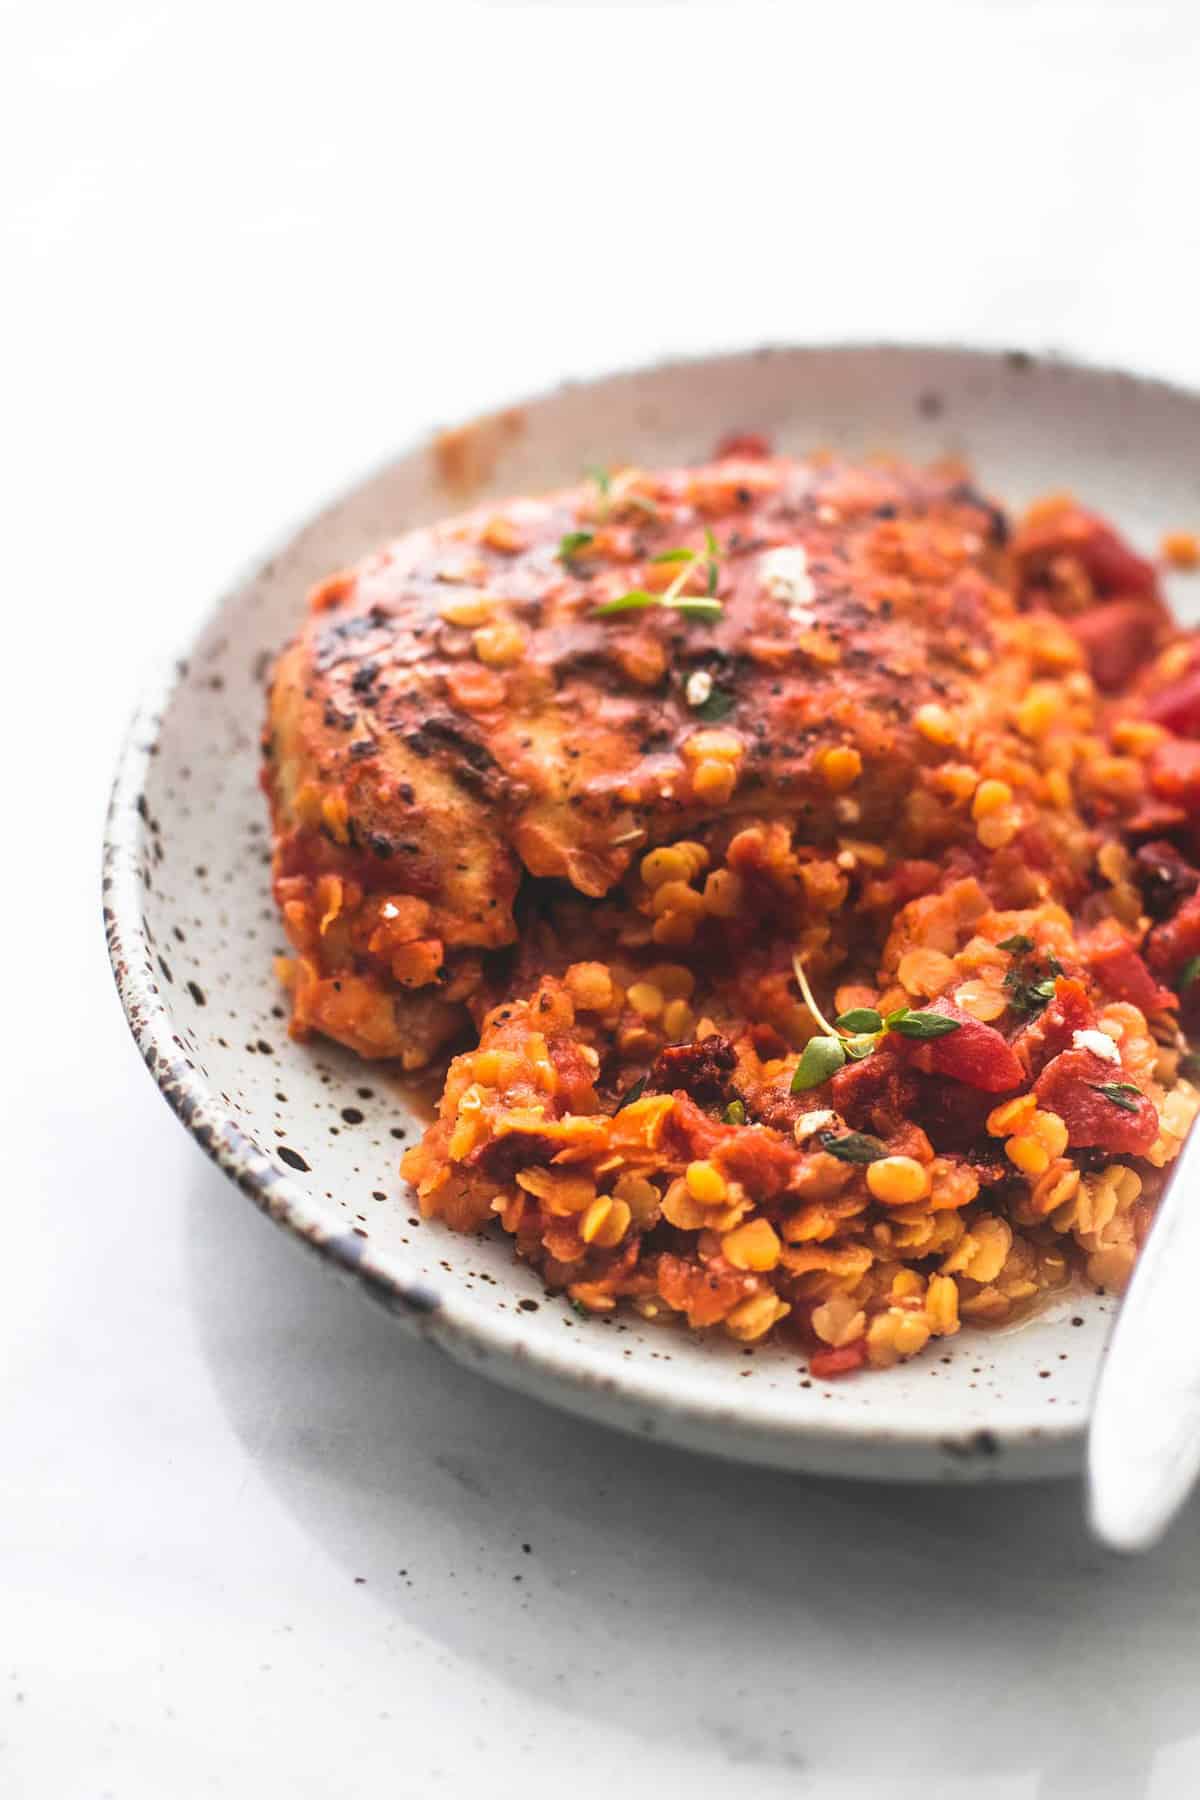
x=1115 y=568
x=1116 y=638
x=975 y=1054
x=1070 y=1011
x=1120 y=970
x=705 y=1292
x=826 y=1363
x=1039 y=851
x=1170 y=945
x=879 y=1091
x=761 y=1160
x=742 y=443
x=915 y=876
x=1175 y=773
x=953 y=1116
x=1177 y=706
x=1156 y=815
x=1070 y=1085
x=696 y=1132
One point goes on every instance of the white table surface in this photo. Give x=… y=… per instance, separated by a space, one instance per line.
x=252 y=1540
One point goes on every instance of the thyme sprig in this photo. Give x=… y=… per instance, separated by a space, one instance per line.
x=856 y=1034
x=695 y=606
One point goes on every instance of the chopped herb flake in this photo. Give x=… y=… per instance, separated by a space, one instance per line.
x=855 y=1147
x=1026 y=995
x=573 y=543
x=735 y=1113
x=1119 y=1092
x=633 y=1092
x=1189 y=972
x=719 y=705
x=1018 y=945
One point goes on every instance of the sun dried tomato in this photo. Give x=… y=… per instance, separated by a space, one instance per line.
x=1165 y=877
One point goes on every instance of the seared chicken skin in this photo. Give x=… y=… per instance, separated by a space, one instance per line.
x=549 y=688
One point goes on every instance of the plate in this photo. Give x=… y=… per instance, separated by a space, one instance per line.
x=313 y=1135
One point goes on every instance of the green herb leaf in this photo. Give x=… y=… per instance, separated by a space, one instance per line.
x=577 y=1306
x=634 y=601
x=855 y=1147
x=821 y=1058
x=601 y=477
x=862 y=1044
x=1118 y=1092
x=674 y=556
x=1052 y=963
x=860 y=1018
x=1026 y=996
x=735 y=1113
x=633 y=1092
x=573 y=543
x=718 y=705
x=925 y=1025
x=1188 y=973
x=711 y=544
x=1018 y=944
x=696 y=609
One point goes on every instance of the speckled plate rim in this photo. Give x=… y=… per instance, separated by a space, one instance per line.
x=634 y=1402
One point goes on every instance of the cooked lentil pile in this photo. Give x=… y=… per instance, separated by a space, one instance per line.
x=804 y=854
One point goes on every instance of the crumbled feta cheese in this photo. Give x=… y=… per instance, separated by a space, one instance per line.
x=699 y=687
x=784 y=574
x=1098 y=1044
x=808 y=1122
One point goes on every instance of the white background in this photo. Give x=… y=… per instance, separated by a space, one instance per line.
x=247 y=250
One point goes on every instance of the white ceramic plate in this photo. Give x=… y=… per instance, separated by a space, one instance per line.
x=312 y=1134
